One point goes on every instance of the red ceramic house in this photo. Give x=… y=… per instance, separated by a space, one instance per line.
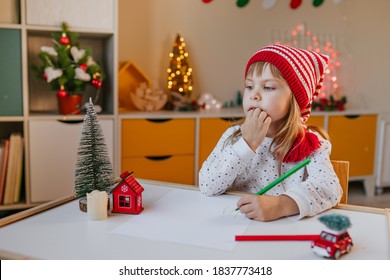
x=127 y=195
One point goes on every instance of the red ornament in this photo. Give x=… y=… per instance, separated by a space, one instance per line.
x=61 y=93
x=64 y=40
x=206 y=1
x=323 y=101
x=84 y=66
x=294 y=4
x=44 y=76
x=242 y=3
x=340 y=107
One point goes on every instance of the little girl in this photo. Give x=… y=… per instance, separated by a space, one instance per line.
x=280 y=84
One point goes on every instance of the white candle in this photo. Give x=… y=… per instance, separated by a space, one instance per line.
x=97 y=205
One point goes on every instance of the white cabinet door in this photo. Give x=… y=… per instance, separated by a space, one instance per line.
x=383 y=169
x=53 y=156
x=91 y=14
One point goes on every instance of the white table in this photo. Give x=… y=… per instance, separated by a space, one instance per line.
x=64 y=232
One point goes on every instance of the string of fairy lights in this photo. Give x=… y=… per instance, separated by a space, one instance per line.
x=326 y=44
x=179 y=72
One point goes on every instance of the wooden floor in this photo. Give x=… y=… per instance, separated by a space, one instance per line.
x=357 y=196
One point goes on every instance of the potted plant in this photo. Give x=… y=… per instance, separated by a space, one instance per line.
x=68 y=69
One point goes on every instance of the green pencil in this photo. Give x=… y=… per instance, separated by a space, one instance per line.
x=283 y=177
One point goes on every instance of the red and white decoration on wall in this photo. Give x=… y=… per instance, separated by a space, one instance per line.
x=127 y=195
x=268 y=4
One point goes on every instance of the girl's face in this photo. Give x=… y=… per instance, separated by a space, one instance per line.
x=271 y=94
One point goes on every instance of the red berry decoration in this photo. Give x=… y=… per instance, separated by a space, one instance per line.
x=44 y=76
x=84 y=66
x=97 y=83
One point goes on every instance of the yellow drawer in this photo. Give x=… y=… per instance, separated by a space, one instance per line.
x=353 y=139
x=177 y=169
x=211 y=129
x=158 y=137
x=317 y=121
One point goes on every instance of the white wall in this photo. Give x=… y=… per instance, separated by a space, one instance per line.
x=220 y=38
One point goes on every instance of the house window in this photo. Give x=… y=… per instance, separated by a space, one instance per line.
x=124 y=201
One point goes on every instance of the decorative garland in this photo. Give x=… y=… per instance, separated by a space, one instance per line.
x=268 y=4
x=330 y=104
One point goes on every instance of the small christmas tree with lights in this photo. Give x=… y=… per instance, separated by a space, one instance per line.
x=179 y=71
x=93 y=168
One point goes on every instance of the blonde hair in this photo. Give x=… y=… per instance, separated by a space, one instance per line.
x=291 y=127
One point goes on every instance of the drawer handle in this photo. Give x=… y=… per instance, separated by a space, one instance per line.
x=71 y=121
x=156 y=158
x=158 y=120
x=231 y=119
x=352 y=116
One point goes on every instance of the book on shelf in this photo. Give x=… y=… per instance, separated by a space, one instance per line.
x=3 y=167
x=1 y=152
x=14 y=166
x=18 y=171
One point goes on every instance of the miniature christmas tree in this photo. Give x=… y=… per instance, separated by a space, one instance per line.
x=335 y=222
x=93 y=168
x=179 y=71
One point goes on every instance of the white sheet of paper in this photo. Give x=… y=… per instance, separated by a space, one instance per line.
x=188 y=218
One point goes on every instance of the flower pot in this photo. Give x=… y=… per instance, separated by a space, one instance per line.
x=69 y=104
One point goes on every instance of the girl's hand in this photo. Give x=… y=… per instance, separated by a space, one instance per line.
x=266 y=208
x=255 y=127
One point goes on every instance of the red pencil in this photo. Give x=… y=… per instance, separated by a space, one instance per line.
x=304 y=237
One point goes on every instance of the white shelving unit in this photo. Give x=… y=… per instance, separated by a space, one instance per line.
x=49 y=137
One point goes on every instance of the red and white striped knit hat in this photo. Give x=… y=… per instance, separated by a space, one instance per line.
x=304 y=72
x=302 y=69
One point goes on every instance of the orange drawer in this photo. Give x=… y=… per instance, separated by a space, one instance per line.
x=353 y=139
x=317 y=121
x=158 y=137
x=211 y=129
x=177 y=169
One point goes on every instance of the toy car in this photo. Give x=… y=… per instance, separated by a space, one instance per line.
x=332 y=244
